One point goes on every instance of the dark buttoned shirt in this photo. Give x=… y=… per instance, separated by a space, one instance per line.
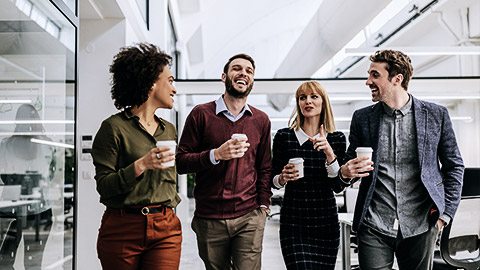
x=400 y=200
x=119 y=142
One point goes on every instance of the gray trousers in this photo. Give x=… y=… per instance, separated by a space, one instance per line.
x=376 y=251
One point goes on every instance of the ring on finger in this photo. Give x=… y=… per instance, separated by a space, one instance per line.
x=158 y=156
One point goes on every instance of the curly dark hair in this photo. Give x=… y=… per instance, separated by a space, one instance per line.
x=397 y=63
x=134 y=71
x=240 y=55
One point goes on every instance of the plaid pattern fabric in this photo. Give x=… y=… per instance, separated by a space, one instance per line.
x=309 y=228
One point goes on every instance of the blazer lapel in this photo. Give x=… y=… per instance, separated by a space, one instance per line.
x=421 y=127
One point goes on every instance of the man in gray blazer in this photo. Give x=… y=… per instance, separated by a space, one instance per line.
x=412 y=186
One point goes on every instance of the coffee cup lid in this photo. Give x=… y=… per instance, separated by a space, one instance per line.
x=239 y=135
x=364 y=149
x=295 y=160
x=166 y=143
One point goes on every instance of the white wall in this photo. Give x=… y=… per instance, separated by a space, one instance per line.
x=99 y=42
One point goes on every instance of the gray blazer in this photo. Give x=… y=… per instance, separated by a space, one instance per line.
x=439 y=158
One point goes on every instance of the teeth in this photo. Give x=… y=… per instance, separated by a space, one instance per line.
x=241 y=82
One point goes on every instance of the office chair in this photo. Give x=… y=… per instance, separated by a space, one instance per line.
x=277 y=199
x=9 y=244
x=460 y=241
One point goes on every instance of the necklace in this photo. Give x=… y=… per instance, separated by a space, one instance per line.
x=148 y=123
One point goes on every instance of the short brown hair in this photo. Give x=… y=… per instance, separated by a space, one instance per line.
x=240 y=55
x=397 y=63
x=326 y=116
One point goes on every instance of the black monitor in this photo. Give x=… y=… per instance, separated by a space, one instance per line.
x=471 y=182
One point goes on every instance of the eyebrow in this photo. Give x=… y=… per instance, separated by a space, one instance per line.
x=237 y=65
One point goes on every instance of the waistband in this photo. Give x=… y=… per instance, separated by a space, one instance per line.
x=142 y=210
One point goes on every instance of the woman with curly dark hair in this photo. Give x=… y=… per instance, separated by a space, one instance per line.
x=139 y=229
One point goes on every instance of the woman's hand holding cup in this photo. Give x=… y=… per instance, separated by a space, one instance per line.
x=292 y=171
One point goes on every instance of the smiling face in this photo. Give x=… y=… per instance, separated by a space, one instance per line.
x=163 y=90
x=382 y=88
x=310 y=104
x=239 y=78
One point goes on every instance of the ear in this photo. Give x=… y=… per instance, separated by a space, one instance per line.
x=224 y=76
x=398 y=79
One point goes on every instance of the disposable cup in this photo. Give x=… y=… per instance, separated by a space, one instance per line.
x=364 y=152
x=298 y=162
x=239 y=136
x=172 y=145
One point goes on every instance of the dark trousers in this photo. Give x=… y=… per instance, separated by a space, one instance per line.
x=135 y=241
x=376 y=251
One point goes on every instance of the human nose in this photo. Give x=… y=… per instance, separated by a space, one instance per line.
x=369 y=81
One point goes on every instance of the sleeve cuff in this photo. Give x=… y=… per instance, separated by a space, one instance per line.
x=332 y=168
x=212 y=157
x=276 y=182
x=347 y=181
x=446 y=218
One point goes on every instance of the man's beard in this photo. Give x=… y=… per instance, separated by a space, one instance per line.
x=234 y=92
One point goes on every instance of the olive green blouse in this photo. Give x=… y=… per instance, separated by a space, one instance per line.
x=119 y=142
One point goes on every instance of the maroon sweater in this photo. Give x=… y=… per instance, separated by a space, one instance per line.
x=233 y=187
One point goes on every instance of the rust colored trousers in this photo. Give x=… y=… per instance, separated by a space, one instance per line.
x=128 y=241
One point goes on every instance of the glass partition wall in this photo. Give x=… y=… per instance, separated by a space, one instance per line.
x=37 y=112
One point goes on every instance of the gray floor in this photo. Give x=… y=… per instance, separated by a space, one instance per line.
x=271 y=256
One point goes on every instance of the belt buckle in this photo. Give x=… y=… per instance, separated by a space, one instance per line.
x=145 y=211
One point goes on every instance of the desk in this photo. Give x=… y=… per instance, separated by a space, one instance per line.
x=345 y=228
x=16 y=211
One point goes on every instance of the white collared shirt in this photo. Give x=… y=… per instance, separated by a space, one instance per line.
x=302 y=137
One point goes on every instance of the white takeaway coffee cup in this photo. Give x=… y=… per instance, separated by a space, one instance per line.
x=239 y=136
x=172 y=145
x=298 y=162
x=364 y=152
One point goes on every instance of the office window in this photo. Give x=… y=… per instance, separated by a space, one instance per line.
x=37 y=105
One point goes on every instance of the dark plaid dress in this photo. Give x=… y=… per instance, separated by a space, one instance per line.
x=309 y=227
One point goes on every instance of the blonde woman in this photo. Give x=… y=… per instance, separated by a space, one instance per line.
x=309 y=228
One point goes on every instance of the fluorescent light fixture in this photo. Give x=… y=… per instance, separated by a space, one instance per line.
x=462 y=118
x=369 y=98
x=71 y=146
x=349 y=98
x=46 y=133
x=448 y=97
x=10 y=122
x=447 y=50
x=16 y=101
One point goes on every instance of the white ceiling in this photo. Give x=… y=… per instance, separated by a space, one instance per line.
x=294 y=38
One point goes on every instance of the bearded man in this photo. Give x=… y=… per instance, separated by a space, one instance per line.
x=233 y=189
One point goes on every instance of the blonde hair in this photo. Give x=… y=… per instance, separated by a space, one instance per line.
x=326 y=116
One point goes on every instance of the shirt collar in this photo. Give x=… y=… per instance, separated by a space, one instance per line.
x=404 y=110
x=302 y=137
x=222 y=107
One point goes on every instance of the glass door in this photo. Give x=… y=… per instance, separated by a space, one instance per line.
x=37 y=110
